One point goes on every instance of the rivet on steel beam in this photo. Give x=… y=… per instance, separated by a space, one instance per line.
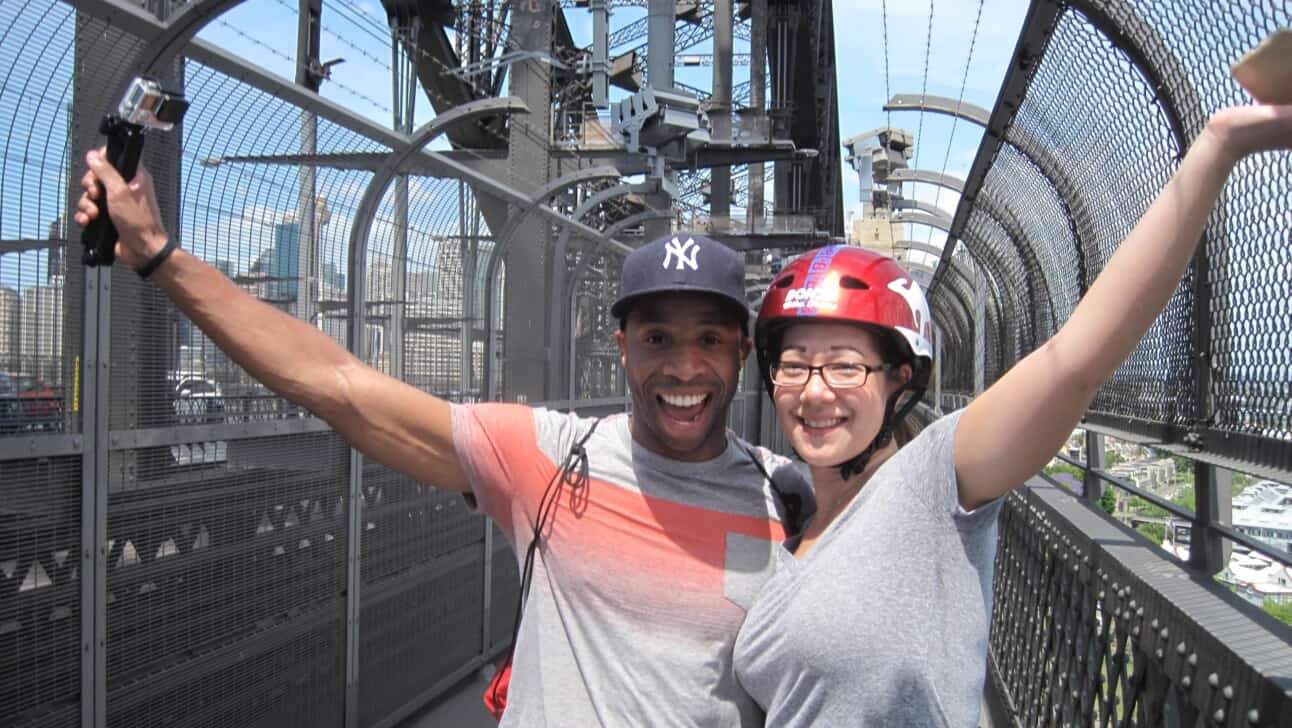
x=1213 y=680
x=1218 y=717
x=1228 y=692
x=1253 y=716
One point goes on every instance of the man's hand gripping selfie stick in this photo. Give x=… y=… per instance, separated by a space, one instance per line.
x=145 y=105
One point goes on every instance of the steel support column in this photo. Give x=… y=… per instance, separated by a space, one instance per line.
x=757 y=103
x=529 y=167
x=720 y=106
x=308 y=65
x=1092 y=485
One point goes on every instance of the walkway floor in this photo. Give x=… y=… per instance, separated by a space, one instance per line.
x=459 y=707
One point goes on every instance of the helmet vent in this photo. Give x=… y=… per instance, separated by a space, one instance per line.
x=784 y=282
x=854 y=283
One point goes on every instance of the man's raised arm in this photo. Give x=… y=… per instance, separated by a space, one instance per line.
x=395 y=424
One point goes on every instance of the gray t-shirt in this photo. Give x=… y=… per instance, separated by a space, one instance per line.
x=643 y=576
x=885 y=621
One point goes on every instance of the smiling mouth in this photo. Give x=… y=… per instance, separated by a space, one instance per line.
x=683 y=407
x=821 y=423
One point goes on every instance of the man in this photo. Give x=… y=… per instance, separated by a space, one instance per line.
x=659 y=533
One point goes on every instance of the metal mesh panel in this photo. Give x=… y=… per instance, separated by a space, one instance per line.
x=504 y=589
x=596 y=369
x=40 y=348
x=422 y=550
x=294 y=678
x=39 y=311
x=280 y=230
x=1247 y=244
x=416 y=305
x=1044 y=225
x=407 y=524
x=246 y=559
x=1099 y=127
x=40 y=592
x=418 y=630
x=1115 y=139
x=955 y=294
x=1004 y=272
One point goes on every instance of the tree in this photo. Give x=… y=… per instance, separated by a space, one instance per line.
x=1154 y=532
x=1282 y=611
x=1187 y=499
x=1108 y=500
x=1241 y=481
x=1059 y=466
x=1142 y=507
x=1112 y=458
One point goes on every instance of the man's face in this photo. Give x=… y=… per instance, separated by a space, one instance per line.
x=682 y=354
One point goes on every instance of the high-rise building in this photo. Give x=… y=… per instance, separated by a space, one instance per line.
x=41 y=331
x=56 y=256
x=280 y=264
x=10 y=308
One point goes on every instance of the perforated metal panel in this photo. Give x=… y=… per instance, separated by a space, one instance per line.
x=41 y=567
x=40 y=628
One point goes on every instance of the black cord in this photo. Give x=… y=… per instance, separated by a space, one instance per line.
x=574 y=473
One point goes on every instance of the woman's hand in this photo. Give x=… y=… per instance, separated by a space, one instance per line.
x=1243 y=130
x=131 y=205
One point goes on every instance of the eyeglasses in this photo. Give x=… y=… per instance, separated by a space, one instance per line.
x=837 y=375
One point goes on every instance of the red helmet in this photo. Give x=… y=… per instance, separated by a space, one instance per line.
x=846 y=283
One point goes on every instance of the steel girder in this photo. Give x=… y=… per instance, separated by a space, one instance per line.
x=927 y=176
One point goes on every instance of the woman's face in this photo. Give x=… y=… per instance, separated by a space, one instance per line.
x=828 y=426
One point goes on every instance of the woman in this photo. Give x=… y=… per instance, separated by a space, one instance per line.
x=878 y=614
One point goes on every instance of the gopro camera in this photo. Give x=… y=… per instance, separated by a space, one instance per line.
x=149 y=105
x=145 y=105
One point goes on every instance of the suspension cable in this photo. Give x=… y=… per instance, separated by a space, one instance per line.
x=888 y=115
x=924 y=87
x=955 y=118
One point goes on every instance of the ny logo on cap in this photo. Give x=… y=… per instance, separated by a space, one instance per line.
x=685 y=253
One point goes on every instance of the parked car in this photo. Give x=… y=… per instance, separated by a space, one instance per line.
x=198 y=400
x=28 y=403
x=10 y=407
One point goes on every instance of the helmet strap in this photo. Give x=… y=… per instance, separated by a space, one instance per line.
x=892 y=418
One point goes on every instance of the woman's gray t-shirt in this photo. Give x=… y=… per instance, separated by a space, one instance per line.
x=885 y=621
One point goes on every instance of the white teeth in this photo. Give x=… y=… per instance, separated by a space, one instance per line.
x=823 y=423
x=687 y=400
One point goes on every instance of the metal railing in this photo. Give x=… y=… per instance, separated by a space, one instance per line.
x=1091 y=626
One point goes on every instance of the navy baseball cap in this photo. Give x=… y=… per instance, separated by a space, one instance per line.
x=682 y=262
